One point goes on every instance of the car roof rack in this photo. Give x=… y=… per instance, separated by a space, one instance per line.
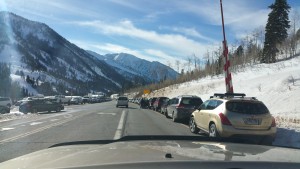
x=228 y=95
x=187 y=96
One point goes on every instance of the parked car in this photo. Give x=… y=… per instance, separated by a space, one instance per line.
x=76 y=100
x=86 y=99
x=164 y=105
x=4 y=109
x=144 y=103
x=181 y=107
x=40 y=105
x=122 y=101
x=5 y=101
x=234 y=115
x=158 y=102
x=151 y=101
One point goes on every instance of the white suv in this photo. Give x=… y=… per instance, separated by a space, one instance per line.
x=122 y=101
x=5 y=101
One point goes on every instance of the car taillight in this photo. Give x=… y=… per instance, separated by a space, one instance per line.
x=224 y=119
x=273 y=122
x=180 y=106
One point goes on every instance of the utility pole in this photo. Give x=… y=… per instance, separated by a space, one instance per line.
x=228 y=78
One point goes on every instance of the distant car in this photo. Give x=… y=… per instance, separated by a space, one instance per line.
x=4 y=109
x=86 y=99
x=151 y=101
x=122 y=101
x=5 y=101
x=234 y=115
x=40 y=105
x=76 y=100
x=181 y=107
x=144 y=103
x=158 y=102
x=164 y=105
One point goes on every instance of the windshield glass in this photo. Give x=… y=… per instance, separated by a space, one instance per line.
x=78 y=70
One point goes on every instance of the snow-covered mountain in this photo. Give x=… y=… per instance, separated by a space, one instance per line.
x=45 y=56
x=135 y=68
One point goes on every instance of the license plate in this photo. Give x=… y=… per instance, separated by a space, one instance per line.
x=251 y=121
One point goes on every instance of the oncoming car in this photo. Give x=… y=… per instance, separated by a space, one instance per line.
x=234 y=115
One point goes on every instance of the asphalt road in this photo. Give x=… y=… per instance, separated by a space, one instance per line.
x=102 y=121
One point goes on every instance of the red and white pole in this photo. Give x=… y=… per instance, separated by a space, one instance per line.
x=228 y=78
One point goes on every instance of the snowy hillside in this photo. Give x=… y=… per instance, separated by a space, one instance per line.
x=134 y=67
x=277 y=85
x=46 y=57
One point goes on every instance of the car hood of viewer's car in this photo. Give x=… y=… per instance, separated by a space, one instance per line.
x=150 y=151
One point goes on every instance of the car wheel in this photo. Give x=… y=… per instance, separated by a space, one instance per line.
x=166 y=114
x=126 y=106
x=58 y=109
x=213 y=132
x=193 y=126
x=173 y=117
x=34 y=110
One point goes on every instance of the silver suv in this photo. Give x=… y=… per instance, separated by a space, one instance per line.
x=122 y=101
x=5 y=101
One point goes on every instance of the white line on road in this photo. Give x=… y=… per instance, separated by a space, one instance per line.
x=107 y=113
x=38 y=130
x=36 y=123
x=119 y=131
x=4 y=129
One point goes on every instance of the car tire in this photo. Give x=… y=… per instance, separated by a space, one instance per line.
x=126 y=106
x=58 y=109
x=213 y=132
x=166 y=114
x=193 y=127
x=34 y=110
x=173 y=117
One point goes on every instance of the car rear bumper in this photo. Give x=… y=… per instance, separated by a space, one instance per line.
x=229 y=131
x=183 y=115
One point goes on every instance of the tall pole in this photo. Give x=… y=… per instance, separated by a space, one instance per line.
x=228 y=78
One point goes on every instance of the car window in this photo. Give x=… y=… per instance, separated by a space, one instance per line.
x=203 y=106
x=191 y=102
x=246 y=107
x=122 y=98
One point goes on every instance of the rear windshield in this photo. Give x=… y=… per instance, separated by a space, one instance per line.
x=122 y=98
x=191 y=102
x=247 y=107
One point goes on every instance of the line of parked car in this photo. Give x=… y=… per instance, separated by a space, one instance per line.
x=229 y=115
x=49 y=103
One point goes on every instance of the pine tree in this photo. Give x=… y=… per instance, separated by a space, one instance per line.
x=276 y=30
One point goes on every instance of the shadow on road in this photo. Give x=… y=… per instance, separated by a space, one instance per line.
x=287 y=138
x=52 y=112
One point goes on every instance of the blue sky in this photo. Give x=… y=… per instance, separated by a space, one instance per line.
x=160 y=30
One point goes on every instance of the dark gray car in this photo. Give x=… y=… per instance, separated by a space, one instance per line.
x=181 y=107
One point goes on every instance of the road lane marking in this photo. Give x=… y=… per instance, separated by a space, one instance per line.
x=38 y=130
x=5 y=129
x=36 y=123
x=107 y=113
x=54 y=119
x=119 y=130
